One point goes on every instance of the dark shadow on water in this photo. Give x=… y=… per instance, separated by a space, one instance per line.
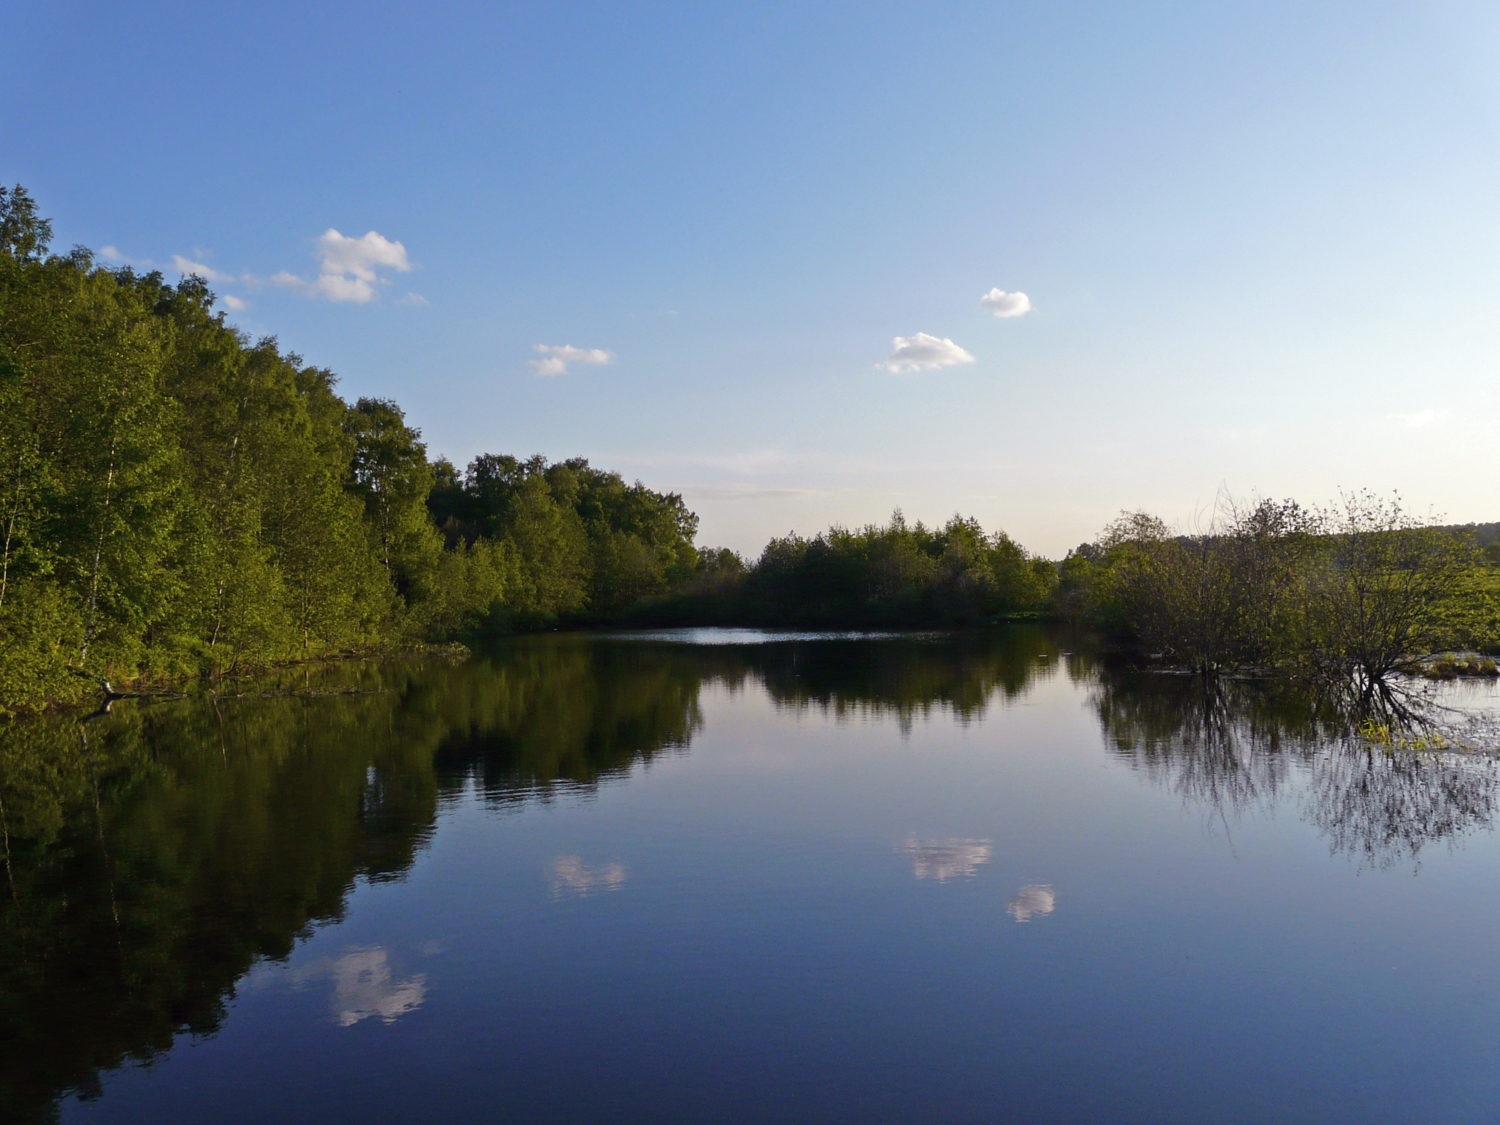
x=158 y=851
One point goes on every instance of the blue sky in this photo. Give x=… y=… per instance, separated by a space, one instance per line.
x=1260 y=241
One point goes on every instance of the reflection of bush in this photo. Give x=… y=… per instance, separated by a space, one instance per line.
x=1234 y=746
x=1383 y=807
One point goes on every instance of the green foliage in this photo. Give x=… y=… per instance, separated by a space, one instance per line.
x=1377 y=587
x=582 y=544
x=899 y=574
x=390 y=473
x=175 y=499
x=1470 y=612
x=24 y=234
x=1347 y=595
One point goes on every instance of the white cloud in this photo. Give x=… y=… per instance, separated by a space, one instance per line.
x=348 y=267
x=1420 y=418
x=914 y=353
x=1006 y=304
x=114 y=254
x=558 y=356
x=335 y=287
x=186 y=266
x=361 y=257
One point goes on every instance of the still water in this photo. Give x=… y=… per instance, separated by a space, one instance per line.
x=738 y=877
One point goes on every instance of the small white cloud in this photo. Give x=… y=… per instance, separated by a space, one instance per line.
x=413 y=299
x=347 y=267
x=186 y=266
x=1006 y=304
x=340 y=254
x=235 y=303
x=558 y=356
x=915 y=353
x=335 y=287
x=1420 y=419
x=114 y=254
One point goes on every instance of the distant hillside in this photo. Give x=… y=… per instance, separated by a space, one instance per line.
x=1484 y=533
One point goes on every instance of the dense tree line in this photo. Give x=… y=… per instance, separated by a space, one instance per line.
x=584 y=543
x=897 y=574
x=177 y=499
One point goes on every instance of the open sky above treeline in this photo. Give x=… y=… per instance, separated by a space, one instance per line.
x=808 y=263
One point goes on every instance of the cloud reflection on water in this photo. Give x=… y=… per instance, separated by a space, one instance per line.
x=1029 y=900
x=571 y=876
x=945 y=859
x=365 y=985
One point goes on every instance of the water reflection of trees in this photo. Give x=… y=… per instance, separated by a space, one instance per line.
x=153 y=855
x=905 y=678
x=1230 y=747
x=1386 y=806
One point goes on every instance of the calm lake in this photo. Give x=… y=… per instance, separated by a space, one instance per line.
x=723 y=876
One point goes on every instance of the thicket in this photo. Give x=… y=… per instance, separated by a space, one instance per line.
x=1347 y=595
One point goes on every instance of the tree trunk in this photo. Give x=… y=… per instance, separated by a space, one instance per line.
x=109 y=482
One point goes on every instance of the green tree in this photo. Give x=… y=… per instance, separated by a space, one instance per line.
x=390 y=473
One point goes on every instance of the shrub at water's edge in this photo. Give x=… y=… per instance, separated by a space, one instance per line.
x=1350 y=595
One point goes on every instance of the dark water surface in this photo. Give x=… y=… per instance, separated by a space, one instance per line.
x=904 y=879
